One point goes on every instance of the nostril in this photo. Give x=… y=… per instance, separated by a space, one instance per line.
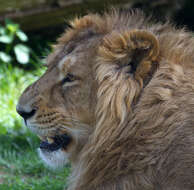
x=25 y=114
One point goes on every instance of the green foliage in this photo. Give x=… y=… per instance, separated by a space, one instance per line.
x=21 y=169
x=12 y=45
x=13 y=81
x=22 y=53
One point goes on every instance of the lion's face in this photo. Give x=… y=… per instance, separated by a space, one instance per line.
x=93 y=77
x=59 y=107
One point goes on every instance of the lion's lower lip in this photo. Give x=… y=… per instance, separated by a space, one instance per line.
x=50 y=147
x=59 y=142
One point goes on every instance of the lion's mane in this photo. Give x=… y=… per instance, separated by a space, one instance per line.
x=117 y=100
x=143 y=137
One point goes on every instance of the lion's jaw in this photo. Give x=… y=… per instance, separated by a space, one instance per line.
x=63 y=100
x=56 y=160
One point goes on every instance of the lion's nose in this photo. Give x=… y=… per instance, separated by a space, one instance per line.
x=25 y=114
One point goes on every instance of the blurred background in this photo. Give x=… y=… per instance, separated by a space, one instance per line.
x=28 y=28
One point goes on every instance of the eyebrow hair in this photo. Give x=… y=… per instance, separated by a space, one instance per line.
x=62 y=61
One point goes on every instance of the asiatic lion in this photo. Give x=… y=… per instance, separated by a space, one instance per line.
x=117 y=101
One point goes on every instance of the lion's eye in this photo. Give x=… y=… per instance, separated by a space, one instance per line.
x=68 y=78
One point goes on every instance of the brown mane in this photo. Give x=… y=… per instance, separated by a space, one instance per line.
x=128 y=142
x=120 y=89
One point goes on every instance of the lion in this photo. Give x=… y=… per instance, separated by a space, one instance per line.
x=117 y=102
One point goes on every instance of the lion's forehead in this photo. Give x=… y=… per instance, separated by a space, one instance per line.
x=65 y=64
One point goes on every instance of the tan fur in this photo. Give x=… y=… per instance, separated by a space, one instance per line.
x=131 y=112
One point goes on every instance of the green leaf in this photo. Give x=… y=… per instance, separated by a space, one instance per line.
x=21 y=35
x=5 y=57
x=12 y=27
x=6 y=39
x=22 y=53
x=2 y=30
x=3 y=130
x=8 y=21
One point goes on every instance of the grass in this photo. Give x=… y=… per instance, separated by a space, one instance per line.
x=13 y=81
x=21 y=168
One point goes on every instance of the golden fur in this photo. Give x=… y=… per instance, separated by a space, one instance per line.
x=130 y=112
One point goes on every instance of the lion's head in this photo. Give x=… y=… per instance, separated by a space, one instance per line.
x=111 y=99
x=60 y=106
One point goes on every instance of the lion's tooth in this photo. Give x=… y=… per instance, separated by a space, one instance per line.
x=50 y=140
x=41 y=138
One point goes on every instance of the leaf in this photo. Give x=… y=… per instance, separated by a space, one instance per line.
x=8 y=21
x=22 y=36
x=22 y=53
x=3 y=130
x=5 y=57
x=6 y=39
x=12 y=27
x=2 y=30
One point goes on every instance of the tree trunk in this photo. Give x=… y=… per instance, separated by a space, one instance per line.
x=37 y=14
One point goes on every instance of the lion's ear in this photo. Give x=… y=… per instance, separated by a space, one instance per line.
x=135 y=50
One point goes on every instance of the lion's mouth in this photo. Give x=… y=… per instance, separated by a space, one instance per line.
x=55 y=143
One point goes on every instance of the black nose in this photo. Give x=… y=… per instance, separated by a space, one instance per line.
x=24 y=114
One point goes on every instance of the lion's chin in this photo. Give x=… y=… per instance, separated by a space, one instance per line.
x=55 y=159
